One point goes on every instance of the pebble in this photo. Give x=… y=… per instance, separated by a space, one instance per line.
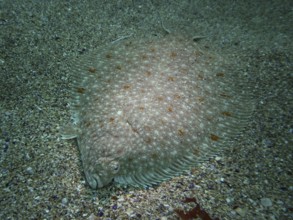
x=64 y=201
x=267 y=143
x=229 y=200
x=27 y=156
x=241 y=211
x=92 y=217
x=29 y=170
x=100 y=212
x=266 y=202
x=130 y=212
x=120 y=199
x=218 y=158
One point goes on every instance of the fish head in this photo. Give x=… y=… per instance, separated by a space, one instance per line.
x=102 y=173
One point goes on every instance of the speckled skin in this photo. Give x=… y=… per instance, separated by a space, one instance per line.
x=148 y=110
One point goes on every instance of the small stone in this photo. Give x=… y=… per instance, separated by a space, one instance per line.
x=92 y=217
x=166 y=205
x=191 y=186
x=218 y=158
x=267 y=143
x=27 y=156
x=241 y=211
x=100 y=212
x=64 y=201
x=229 y=200
x=266 y=202
x=29 y=171
x=246 y=181
x=120 y=199
x=31 y=189
x=129 y=212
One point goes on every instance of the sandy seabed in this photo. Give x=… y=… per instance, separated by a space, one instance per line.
x=41 y=175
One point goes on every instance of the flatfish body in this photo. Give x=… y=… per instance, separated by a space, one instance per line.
x=146 y=110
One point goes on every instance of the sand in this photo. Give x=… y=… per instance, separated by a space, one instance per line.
x=41 y=176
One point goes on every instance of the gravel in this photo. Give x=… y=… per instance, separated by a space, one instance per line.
x=41 y=176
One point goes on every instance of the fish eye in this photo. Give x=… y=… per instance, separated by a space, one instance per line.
x=114 y=166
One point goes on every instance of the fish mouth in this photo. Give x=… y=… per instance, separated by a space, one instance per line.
x=94 y=180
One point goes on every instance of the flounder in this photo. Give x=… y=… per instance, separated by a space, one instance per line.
x=147 y=110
